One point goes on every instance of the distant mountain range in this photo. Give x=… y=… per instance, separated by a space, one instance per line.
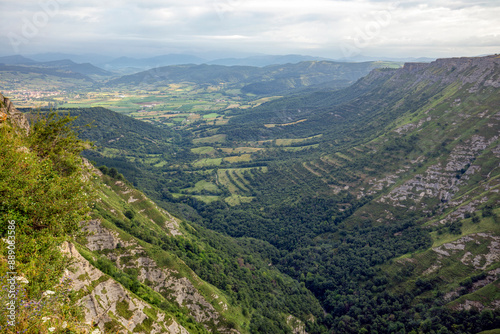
x=296 y=73
x=16 y=60
x=360 y=58
x=268 y=80
x=86 y=69
x=129 y=65
x=133 y=65
x=84 y=58
x=266 y=60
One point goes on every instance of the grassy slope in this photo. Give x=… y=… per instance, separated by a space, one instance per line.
x=447 y=128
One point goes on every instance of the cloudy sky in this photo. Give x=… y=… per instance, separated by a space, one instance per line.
x=328 y=28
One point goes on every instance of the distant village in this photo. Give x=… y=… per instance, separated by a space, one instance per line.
x=31 y=94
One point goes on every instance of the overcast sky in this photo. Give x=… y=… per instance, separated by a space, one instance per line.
x=327 y=28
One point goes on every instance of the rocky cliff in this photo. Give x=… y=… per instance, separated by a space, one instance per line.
x=9 y=112
x=477 y=70
x=108 y=306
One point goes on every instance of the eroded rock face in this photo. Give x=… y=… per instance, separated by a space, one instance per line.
x=179 y=289
x=163 y=280
x=477 y=251
x=8 y=111
x=462 y=246
x=107 y=302
x=298 y=327
x=475 y=70
x=440 y=181
x=100 y=238
x=83 y=273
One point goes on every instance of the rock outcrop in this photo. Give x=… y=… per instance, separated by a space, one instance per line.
x=443 y=180
x=469 y=70
x=9 y=112
x=166 y=281
x=108 y=306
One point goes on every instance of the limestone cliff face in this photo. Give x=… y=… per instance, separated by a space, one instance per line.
x=9 y=112
x=131 y=255
x=478 y=71
x=172 y=278
x=108 y=306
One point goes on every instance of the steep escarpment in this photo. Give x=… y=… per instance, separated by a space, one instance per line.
x=480 y=71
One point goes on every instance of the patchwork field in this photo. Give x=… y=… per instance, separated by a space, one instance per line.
x=212 y=139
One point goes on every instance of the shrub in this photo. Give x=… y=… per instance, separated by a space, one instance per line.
x=45 y=195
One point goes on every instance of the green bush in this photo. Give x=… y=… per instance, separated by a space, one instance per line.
x=45 y=195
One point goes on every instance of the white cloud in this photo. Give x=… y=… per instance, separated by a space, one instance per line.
x=268 y=26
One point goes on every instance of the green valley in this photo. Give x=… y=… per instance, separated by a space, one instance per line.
x=291 y=199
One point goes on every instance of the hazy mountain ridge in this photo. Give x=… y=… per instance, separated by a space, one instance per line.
x=265 y=60
x=43 y=71
x=84 y=68
x=63 y=65
x=272 y=79
x=111 y=63
x=176 y=59
x=137 y=65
